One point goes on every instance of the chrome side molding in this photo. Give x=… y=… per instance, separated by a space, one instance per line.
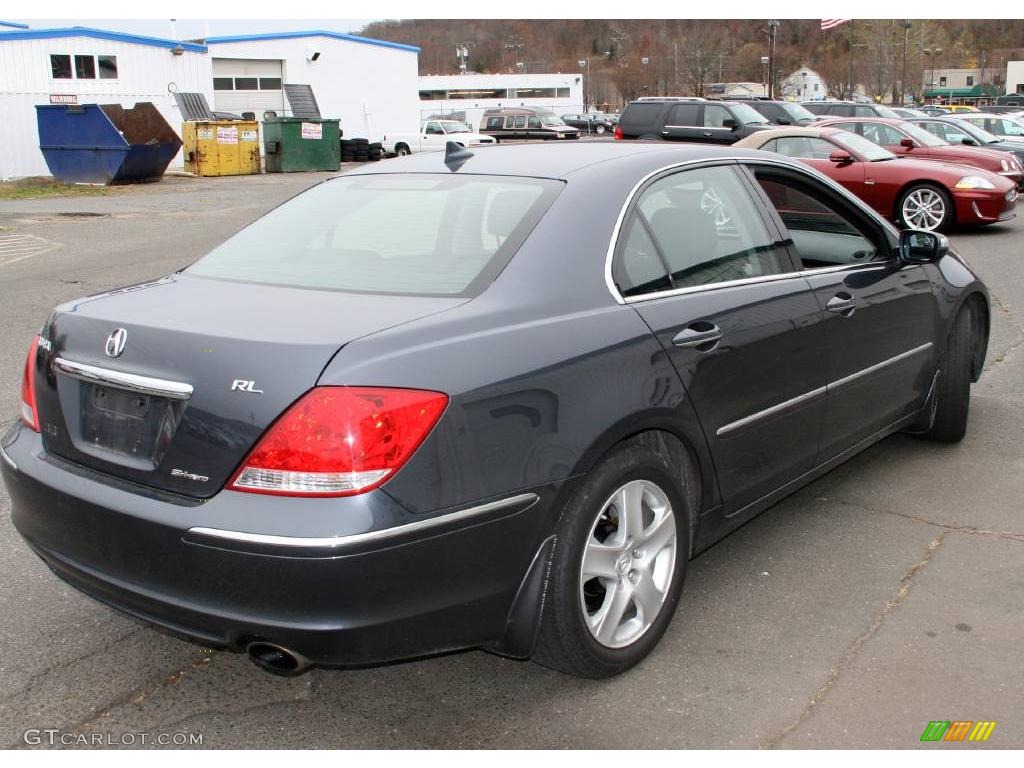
x=147 y=385
x=815 y=393
x=331 y=542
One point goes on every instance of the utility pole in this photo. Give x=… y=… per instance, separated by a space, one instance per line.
x=675 y=69
x=851 y=60
x=773 y=25
x=903 y=80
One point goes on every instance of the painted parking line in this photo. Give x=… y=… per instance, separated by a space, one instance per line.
x=15 y=247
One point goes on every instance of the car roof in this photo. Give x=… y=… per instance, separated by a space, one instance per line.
x=555 y=159
x=848 y=118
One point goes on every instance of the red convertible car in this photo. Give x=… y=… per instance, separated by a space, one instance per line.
x=918 y=194
x=902 y=137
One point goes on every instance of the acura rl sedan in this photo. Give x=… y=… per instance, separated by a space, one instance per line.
x=489 y=399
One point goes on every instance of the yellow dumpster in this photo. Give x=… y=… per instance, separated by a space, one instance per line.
x=221 y=147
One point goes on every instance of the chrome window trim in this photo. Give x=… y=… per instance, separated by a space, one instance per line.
x=332 y=542
x=814 y=393
x=731 y=160
x=147 y=385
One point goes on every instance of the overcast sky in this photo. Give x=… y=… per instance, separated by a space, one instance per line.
x=186 y=29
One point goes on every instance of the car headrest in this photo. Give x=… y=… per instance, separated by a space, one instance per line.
x=686 y=235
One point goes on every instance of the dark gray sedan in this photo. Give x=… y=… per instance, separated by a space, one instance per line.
x=492 y=399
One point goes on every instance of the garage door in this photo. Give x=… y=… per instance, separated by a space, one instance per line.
x=247 y=85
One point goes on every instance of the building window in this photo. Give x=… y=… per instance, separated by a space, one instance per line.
x=85 y=67
x=270 y=83
x=433 y=95
x=223 y=84
x=247 y=84
x=563 y=93
x=815 y=87
x=533 y=93
x=1020 y=88
x=970 y=80
x=482 y=93
x=942 y=82
x=107 y=66
x=60 y=66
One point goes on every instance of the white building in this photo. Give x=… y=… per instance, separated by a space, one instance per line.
x=1015 y=77
x=370 y=85
x=804 y=85
x=86 y=66
x=467 y=97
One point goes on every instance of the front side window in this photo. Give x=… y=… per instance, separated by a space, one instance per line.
x=534 y=123
x=821 y=234
x=694 y=228
x=747 y=115
x=715 y=116
x=494 y=123
x=457 y=233
x=433 y=129
x=861 y=146
x=881 y=134
x=60 y=66
x=684 y=114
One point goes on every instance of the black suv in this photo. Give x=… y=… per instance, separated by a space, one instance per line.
x=713 y=122
x=779 y=112
x=849 y=109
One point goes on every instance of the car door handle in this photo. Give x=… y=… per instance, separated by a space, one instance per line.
x=693 y=337
x=842 y=304
x=707 y=133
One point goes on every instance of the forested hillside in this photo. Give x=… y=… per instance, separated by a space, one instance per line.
x=635 y=57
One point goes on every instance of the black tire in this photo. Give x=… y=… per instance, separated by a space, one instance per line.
x=952 y=396
x=565 y=642
x=361 y=142
x=402 y=150
x=948 y=215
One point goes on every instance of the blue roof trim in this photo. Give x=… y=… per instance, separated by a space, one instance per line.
x=99 y=34
x=312 y=33
x=15 y=24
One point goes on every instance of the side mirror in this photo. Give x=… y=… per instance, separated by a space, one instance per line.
x=908 y=143
x=840 y=157
x=920 y=247
x=730 y=124
x=783 y=121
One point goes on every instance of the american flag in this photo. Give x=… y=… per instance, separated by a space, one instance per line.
x=832 y=23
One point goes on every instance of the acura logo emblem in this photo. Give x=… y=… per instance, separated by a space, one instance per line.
x=116 y=342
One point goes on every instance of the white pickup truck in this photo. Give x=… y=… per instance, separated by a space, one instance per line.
x=433 y=136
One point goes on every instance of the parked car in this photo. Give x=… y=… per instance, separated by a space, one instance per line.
x=848 y=109
x=780 y=112
x=922 y=194
x=957 y=108
x=380 y=466
x=908 y=112
x=934 y=111
x=669 y=119
x=956 y=131
x=1009 y=127
x=903 y=137
x=433 y=136
x=589 y=123
x=1004 y=109
x=525 y=123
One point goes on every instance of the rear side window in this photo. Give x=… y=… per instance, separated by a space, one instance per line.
x=640 y=114
x=703 y=227
x=683 y=114
x=804 y=147
x=456 y=234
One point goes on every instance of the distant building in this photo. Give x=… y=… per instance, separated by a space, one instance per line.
x=1015 y=78
x=746 y=89
x=804 y=85
x=957 y=86
x=467 y=97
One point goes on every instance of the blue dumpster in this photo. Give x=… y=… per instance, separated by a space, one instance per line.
x=105 y=143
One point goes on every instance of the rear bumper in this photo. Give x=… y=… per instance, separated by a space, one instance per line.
x=346 y=599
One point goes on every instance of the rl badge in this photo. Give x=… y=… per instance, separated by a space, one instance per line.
x=958 y=730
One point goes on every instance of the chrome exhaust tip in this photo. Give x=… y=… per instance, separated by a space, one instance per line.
x=276 y=659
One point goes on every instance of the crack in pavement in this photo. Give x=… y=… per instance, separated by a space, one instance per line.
x=966 y=529
x=891 y=604
x=135 y=695
x=38 y=676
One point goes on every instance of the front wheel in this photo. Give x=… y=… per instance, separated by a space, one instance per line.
x=618 y=567
x=599 y=129
x=927 y=207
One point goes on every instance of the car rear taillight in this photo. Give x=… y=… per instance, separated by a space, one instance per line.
x=29 y=411
x=618 y=132
x=340 y=441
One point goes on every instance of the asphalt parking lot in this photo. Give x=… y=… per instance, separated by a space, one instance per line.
x=885 y=595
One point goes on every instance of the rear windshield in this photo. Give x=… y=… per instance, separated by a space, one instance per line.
x=412 y=234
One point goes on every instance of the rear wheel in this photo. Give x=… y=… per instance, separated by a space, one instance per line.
x=927 y=207
x=599 y=129
x=952 y=397
x=618 y=567
x=401 y=150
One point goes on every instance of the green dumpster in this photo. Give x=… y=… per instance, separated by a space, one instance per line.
x=301 y=144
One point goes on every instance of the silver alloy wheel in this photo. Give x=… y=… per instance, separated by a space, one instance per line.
x=599 y=129
x=924 y=209
x=628 y=564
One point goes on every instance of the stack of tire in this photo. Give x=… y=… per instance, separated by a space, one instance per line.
x=360 y=150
